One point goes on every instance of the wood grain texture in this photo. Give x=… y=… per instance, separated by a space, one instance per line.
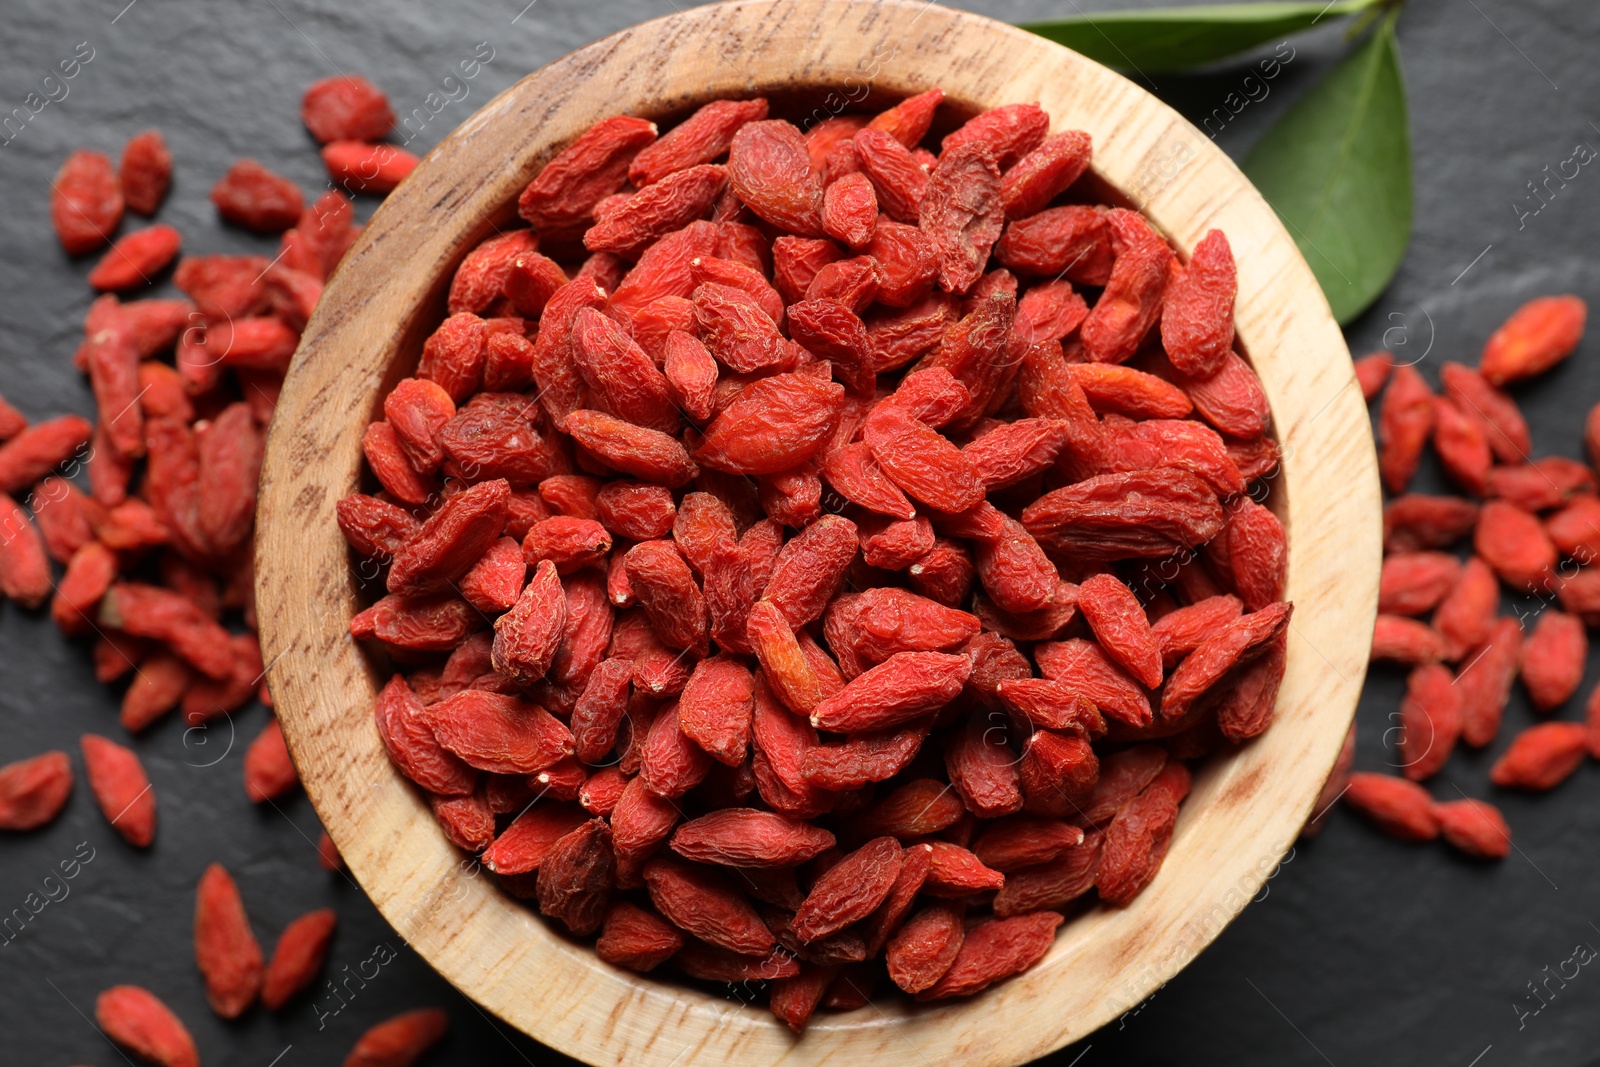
x=1245 y=810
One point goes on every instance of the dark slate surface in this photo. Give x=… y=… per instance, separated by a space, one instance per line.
x=1362 y=951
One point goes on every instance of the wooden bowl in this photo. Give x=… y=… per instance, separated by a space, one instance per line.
x=1246 y=808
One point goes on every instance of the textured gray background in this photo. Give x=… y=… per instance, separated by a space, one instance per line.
x=1362 y=951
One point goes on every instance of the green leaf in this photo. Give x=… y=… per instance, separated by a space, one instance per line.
x=1176 y=38
x=1337 y=169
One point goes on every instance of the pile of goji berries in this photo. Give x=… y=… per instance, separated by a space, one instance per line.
x=157 y=554
x=890 y=540
x=1535 y=531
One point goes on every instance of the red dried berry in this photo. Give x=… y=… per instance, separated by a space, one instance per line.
x=1474 y=827
x=700 y=138
x=1404 y=424
x=1540 y=334
x=85 y=203
x=33 y=791
x=770 y=169
x=1541 y=757
x=224 y=946
x=252 y=196
x=400 y=1041
x=346 y=108
x=146 y=171
x=1430 y=720
x=1399 y=808
x=562 y=198
x=121 y=788
x=135 y=1019
x=298 y=957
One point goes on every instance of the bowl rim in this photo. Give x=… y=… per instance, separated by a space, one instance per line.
x=1245 y=811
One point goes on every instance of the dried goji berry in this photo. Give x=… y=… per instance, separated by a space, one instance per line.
x=562 y=198
x=903 y=687
x=704 y=903
x=809 y=568
x=672 y=764
x=135 y=1019
x=983 y=769
x=33 y=791
x=745 y=837
x=898 y=182
x=85 y=202
x=1514 y=544
x=1132 y=299
x=37 y=450
x=1178 y=632
x=1553 y=658
x=252 y=196
x=497 y=733
x=700 y=138
x=1462 y=445
x=774 y=425
x=408 y=736
x=1119 y=623
x=1074 y=241
x=1538 y=335
x=576 y=877
x=962 y=211
x=1086 y=669
x=1476 y=828
x=646 y=454
x=1007 y=133
x=1118 y=516
x=136 y=258
x=1138 y=836
x=25 y=568
x=770 y=169
x=400 y=1041
x=850 y=210
x=1372 y=373
x=225 y=948
x=156 y=689
x=1234 y=644
x=1415 y=522
x=1541 y=757
x=1430 y=720
x=1465 y=616
x=1404 y=640
x=121 y=788
x=850 y=890
x=346 y=108
x=1197 y=321
x=716 y=706
x=921 y=461
x=1506 y=429
x=926 y=946
x=1413 y=583
x=1400 y=808
x=661 y=208
x=268 y=771
x=637 y=939
x=666 y=589
x=996 y=949
x=1405 y=422
x=1575 y=529
x=1045 y=172
x=146 y=171
x=485 y=273
x=298 y=956
x=908 y=121
x=361 y=167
